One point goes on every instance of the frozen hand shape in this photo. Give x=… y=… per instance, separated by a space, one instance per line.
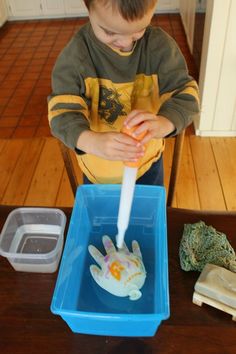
x=121 y=273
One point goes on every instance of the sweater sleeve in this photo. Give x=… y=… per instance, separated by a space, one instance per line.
x=68 y=112
x=178 y=90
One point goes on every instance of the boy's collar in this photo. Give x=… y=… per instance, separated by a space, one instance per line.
x=125 y=54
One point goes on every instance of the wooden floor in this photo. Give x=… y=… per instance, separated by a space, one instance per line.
x=32 y=173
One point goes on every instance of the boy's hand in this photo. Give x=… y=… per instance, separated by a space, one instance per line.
x=110 y=146
x=155 y=126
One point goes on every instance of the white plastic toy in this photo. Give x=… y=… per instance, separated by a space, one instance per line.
x=122 y=273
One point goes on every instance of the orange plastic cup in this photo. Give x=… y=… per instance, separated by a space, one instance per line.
x=139 y=137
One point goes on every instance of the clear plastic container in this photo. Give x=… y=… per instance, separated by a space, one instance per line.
x=32 y=239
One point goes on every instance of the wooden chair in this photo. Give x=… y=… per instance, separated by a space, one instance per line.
x=72 y=168
x=75 y=176
x=176 y=160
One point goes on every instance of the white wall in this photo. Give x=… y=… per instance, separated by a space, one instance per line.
x=217 y=80
x=3 y=12
x=187 y=12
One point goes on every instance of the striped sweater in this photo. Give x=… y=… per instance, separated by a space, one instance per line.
x=95 y=87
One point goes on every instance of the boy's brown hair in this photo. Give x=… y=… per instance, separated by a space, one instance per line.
x=129 y=9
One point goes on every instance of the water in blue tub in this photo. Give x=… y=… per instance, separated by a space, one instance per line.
x=92 y=298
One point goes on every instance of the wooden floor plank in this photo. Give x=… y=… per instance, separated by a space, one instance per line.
x=186 y=190
x=46 y=179
x=225 y=152
x=2 y=144
x=209 y=186
x=10 y=153
x=23 y=172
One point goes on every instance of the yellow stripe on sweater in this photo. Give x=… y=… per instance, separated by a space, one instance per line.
x=191 y=88
x=67 y=99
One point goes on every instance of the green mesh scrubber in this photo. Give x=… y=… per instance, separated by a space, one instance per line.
x=202 y=244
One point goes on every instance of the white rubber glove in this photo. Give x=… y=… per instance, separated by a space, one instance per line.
x=122 y=273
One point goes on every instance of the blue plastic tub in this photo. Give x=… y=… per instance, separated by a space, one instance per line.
x=85 y=306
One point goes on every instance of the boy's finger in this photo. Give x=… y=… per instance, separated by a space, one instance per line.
x=144 y=127
x=131 y=116
x=127 y=139
x=129 y=149
x=133 y=113
x=137 y=119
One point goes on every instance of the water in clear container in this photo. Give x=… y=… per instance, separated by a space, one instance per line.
x=35 y=239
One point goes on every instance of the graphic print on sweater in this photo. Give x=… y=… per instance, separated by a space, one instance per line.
x=110 y=106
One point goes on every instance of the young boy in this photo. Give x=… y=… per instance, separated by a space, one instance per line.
x=119 y=71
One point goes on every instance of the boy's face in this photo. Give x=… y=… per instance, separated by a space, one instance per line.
x=112 y=29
